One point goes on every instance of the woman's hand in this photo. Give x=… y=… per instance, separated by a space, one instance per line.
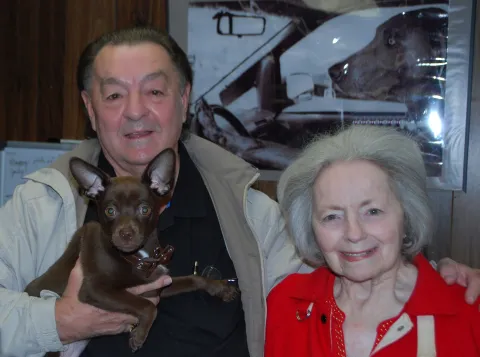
x=461 y=274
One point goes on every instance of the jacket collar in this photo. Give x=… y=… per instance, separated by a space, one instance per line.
x=227 y=166
x=188 y=198
x=200 y=151
x=431 y=295
x=315 y=286
x=87 y=150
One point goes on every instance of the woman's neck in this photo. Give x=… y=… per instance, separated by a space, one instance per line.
x=387 y=292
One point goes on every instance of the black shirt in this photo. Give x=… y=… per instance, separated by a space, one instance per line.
x=190 y=324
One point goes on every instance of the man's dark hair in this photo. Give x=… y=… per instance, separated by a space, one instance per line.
x=132 y=36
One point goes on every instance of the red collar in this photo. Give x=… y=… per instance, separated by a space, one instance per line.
x=431 y=296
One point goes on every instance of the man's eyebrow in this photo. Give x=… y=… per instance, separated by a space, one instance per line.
x=154 y=75
x=104 y=81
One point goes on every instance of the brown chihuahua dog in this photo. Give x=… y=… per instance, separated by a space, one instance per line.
x=122 y=249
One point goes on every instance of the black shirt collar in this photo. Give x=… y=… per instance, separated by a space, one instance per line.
x=188 y=198
x=105 y=166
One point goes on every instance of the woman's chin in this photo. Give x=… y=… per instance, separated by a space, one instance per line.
x=358 y=275
x=358 y=278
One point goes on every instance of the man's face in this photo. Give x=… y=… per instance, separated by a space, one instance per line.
x=135 y=104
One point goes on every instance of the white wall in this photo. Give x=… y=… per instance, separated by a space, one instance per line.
x=177 y=21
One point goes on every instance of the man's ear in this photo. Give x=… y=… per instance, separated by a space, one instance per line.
x=160 y=172
x=186 y=100
x=91 y=179
x=87 y=101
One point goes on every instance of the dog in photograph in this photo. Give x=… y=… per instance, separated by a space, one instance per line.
x=122 y=249
x=405 y=62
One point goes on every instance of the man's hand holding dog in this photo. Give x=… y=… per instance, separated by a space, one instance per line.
x=78 y=321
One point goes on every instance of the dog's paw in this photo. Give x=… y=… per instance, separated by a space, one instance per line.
x=229 y=293
x=135 y=341
x=224 y=291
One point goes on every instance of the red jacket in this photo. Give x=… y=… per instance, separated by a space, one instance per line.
x=457 y=324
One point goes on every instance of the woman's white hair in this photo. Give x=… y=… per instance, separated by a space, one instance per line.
x=395 y=153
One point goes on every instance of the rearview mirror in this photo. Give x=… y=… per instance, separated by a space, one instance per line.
x=229 y=24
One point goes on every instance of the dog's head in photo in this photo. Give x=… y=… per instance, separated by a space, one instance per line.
x=402 y=62
x=128 y=207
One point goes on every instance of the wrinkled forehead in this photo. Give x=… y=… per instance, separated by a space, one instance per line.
x=346 y=181
x=134 y=62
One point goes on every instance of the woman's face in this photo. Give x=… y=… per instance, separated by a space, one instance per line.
x=357 y=220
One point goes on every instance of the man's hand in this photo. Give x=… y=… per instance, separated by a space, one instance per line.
x=78 y=321
x=454 y=272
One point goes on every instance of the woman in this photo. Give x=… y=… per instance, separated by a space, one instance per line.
x=357 y=202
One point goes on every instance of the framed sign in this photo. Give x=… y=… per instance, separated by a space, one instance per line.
x=270 y=75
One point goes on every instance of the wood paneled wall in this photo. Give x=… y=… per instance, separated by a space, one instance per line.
x=40 y=44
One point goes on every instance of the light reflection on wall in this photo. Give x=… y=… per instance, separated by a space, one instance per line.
x=435 y=124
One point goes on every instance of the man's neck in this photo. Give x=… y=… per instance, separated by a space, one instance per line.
x=127 y=169
x=130 y=170
x=138 y=170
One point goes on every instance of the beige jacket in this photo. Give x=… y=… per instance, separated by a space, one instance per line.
x=43 y=214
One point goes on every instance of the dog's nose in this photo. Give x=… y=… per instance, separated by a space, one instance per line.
x=336 y=72
x=126 y=233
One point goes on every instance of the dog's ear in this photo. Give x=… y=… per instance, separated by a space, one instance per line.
x=160 y=172
x=91 y=179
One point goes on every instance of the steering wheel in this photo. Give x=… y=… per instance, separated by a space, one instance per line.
x=224 y=113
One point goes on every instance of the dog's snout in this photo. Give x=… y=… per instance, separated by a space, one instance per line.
x=336 y=72
x=127 y=236
x=126 y=233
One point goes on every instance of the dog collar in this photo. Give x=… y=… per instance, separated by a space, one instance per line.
x=147 y=262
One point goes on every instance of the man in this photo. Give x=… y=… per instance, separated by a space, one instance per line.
x=135 y=85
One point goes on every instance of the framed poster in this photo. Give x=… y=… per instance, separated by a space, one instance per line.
x=269 y=75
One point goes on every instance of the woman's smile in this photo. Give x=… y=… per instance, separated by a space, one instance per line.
x=358 y=256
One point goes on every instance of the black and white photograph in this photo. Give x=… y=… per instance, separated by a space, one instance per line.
x=270 y=75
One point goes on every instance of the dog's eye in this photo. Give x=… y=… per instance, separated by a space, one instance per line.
x=110 y=211
x=391 y=37
x=145 y=210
